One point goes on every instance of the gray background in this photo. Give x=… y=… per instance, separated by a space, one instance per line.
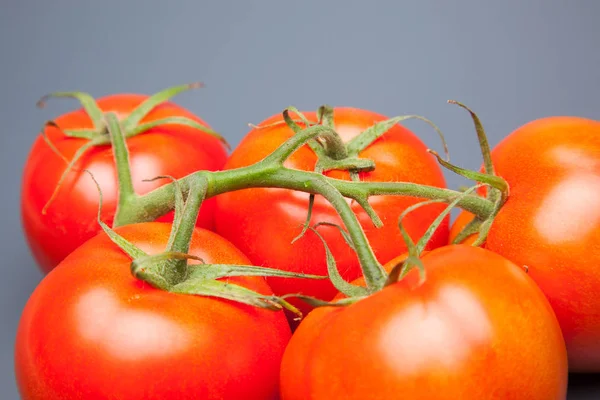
x=512 y=61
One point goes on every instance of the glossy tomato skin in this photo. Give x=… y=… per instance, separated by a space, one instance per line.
x=90 y=330
x=174 y=150
x=263 y=222
x=477 y=328
x=551 y=222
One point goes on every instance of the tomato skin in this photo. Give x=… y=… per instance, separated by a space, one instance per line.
x=463 y=218
x=477 y=328
x=174 y=150
x=551 y=222
x=262 y=222
x=90 y=330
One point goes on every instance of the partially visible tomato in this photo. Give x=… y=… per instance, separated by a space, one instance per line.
x=551 y=222
x=477 y=328
x=91 y=330
x=262 y=222
x=463 y=218
x=174 y=150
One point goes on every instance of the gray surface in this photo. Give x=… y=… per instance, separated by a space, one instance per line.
x=511 y=61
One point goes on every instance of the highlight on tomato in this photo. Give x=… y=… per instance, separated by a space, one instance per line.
x=92 y=330
x=476 y=327
x=551 y=222
x=265 y=223
x=59 y=201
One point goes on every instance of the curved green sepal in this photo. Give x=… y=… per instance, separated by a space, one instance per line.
x=70 y=167
x=492 y=180
x=136 y=116
x=131 y=250
x=369 y=135
x=217 y=271
x=343 y=232
x=364 y=203
x=80 y=133
x=336 y=279
x=413 y=260
x=314 y=302
x=311 y=203
x=414 y=251
x=87 y=102
x=325 y=116
x=482 y=137
x=316 y=145
x=304 y=136
x=331 y=146
x=138 y=129
x=230 y=291
x=488 y=165
x=422 y=243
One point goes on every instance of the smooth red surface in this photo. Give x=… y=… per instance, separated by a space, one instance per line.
x=90 y=330
x=174 y=150
x=263 y=222
x=551 y=222
x=477 y=328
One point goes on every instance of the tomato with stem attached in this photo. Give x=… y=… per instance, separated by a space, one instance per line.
x=477 y=327
x=263 y=222
x=91 y=330
x=59 y=203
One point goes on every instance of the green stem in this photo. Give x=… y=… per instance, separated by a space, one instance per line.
x=373 y=271
x=355 y=190
x=121 y=155
x=161 y=200
x=270 y=172
x=284 y=151
x=187 y=223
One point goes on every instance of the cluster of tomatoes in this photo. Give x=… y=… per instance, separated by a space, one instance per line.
x=507 y=320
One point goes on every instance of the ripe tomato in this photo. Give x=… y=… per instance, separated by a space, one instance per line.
x=91 y=330
x=463 y=218
x=478 y=327
x=262 y=222
x=551 y=222
x=174 y=150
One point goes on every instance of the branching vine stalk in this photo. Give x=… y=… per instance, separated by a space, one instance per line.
x=186 y=194
x=270 y=172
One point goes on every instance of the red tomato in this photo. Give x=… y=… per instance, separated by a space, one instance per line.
x=478 y=327
x=262 y=222
x=90 y=330
x=174 y=150
x=551 y=222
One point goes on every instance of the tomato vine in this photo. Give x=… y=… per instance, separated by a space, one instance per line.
x=271 y=172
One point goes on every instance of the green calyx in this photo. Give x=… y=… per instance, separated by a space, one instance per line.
x=105 y=122
x=171 y=271
x=498 y=189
